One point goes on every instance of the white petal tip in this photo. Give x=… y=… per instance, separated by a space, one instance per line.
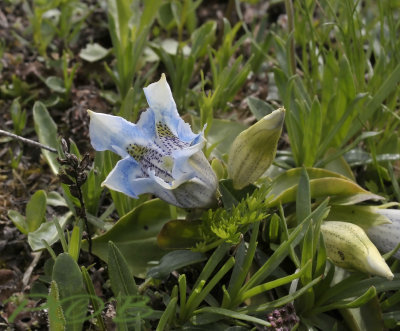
x=378 y=266
x=90 y=112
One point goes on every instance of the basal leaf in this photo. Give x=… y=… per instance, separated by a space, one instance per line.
x=177 y=234
x=73 y=296
x=46 y=130
x=135 y=234
x=36 y=210
x=122 y=281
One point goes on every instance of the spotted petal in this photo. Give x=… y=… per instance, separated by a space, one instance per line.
x=161 y=154
x=114 y=133
x=160 y=100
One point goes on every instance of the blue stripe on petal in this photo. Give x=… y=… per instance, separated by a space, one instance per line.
x=114 y=133
x=127 y=177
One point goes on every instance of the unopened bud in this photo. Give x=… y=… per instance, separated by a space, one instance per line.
x=349 y=247
x=254 y=149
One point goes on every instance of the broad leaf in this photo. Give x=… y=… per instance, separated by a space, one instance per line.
x=177 y=234
x=323 y=183
x=48 y=232
x=135 y=235
x=36 y=210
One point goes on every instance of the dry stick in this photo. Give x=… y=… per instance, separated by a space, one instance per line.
x=28 y=272
x=28 y=141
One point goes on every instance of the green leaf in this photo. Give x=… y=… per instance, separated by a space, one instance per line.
x=202 y=38
x=178 y=234
x=95 y=303
x=338 y=165
x=259 y=108
x=323 y=183
x=46 y=130
x=231 y=196
x=55 y=199
x=93 y=52
x=18 y=220
x=174 y=261
x=388 y=86
x=368 y=317
x=74 y=245
x=283 y=250
x=55 y=313
x=363 y=216
x=122 y=281
x=221 y=134
x=36 y=210
x=47 y=232
x=303 y=199
x=229 y=313
x=73 y=296
x=135 y=234
x=168 y=314
x=368 y=295
x=55 y=84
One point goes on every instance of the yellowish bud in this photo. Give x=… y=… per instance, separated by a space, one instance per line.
x=254 y=149
x=348 y=246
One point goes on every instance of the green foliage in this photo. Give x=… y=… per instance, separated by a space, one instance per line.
x=68 y=277
x=332 y=95
x=135 y=235
x=335 y=69
x=18 y=117
x=56 y=316
x=35 y=213
x=63 y=86
x=229 y=224
x=129 y=25
x=46 y=130
x=122 y=282
x=51 y=18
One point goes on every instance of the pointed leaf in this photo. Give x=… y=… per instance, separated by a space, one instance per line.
x=46 y=130
x=73 y=296
x=122 y=281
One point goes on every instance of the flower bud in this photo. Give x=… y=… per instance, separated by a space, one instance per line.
x=348 y=246
x=254 y=149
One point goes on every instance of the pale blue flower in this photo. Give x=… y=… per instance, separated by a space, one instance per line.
x=160 y=154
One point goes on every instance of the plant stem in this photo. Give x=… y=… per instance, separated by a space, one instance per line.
x=28 y=141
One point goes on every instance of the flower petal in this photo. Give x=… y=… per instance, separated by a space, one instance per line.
x=160 y=99
x=114 y=133
x=127 y=177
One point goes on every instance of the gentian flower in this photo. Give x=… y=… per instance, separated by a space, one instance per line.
x=387 y=236
x=160 y=154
